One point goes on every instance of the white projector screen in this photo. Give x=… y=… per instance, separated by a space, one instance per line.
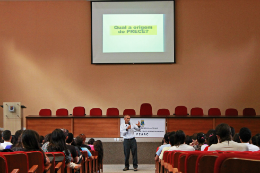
x=133 y=32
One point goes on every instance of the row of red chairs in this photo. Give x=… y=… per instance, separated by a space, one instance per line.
x=146 y=110
x=33 y=162
x=208 y=162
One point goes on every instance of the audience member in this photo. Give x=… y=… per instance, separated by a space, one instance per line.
x=78 y=141
x=99 y=148
x=171 y=142
x=41 y=141
x=232 y=132
x=72 y=148
x=225 y=143
x=212 y=139
x=254 y=140
x=201 y=137
x=57 y=144
x=179 y=142
x=165 y=144
x=7 y=137
x=236 y=138
x=188 y=140
x=83 y=137
x=1 y=139
x=245 y=136
x=194 y=139
x=47 y=138
x=91 y=143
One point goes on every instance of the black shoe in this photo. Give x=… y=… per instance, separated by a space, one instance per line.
x=125 y=169
x=135 y=169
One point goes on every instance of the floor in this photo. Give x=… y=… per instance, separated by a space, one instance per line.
x=143 y=168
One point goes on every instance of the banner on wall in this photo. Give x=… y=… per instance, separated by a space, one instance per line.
x=150 y=127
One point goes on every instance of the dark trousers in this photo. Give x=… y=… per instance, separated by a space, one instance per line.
x=130 y=144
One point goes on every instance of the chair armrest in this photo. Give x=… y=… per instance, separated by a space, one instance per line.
x=58 y=166
x=47 y=167
x=15 y=171
x=33 y=169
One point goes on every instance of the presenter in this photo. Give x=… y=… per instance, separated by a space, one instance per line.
x=127 y=130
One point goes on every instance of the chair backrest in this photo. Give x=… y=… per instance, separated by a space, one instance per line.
x=16 y=160
x=231 y=112
x=249 y=112
x=146 y=109
x=51 y=156
x=181 y=111
x=214 y=112
x=95 y=112
x=78 y=111
x=176 y=158
x=129 y=112
x=190 y=161
x=36 y=158
x=206 y=161
x=3 y=164
x=60 y=157
x=196 y=111
x=62 y=112
x=236 y=162
x=45 y=112
x=163 y=112
x=181 y=162
x=112 y=112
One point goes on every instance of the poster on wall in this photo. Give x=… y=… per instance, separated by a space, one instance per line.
x=150 y=127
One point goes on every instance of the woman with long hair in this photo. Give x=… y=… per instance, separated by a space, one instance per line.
x=98 y=146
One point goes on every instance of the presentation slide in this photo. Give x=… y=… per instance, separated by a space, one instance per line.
x=133 y=33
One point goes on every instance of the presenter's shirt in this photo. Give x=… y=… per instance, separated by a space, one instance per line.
x=128 y=134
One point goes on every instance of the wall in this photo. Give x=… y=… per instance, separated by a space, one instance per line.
x=45 y=59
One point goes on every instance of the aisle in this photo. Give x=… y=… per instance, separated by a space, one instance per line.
x=142 y=168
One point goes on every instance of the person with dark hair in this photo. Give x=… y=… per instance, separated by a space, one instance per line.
x=188 y=140
x=91 y=143
x=179 y=142
x=245 y=136
x=41 y=140
x=7 y=137
x=201 y=138
x=211 y=139
x=166 y=144
x=78 y=142
x=98 y=146
x=236 y=138
x=30 y=143
x=254 y=140
x=225 y=143
x=47 y=138
x=57 y=144
x=72 y=148
x=171 y=142
x=83 y=137
x=232 y=132
x=194 y=139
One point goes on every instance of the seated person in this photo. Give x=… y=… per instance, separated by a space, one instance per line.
x=7 y=137
x=99 y=148
x=30 y=143
x=165 y=144
x=73 y=151
x=201 y=137
x=212 y=139
x=91 y=143
x=245 y=136
x=171 y=142
x=83 y=137
x=225 y=143
x=179 y=142
x=78 y=142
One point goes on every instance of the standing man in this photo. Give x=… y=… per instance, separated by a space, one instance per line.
x=127 y=129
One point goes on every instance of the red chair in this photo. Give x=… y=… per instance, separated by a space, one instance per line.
x=237 y=162
x=129 y=112
x=37 y=158
x=163 y=112
x=181 y=111
x=62 y=112
x=112 y=112
x=45 y=112
x=146 y=109
x=190 y=161
x=231 y=112
x=95 y=112
x=214 y=112
x=206 y=161
x=4 y=167
x=79 y=111
x=249 y=112
x=196 y=111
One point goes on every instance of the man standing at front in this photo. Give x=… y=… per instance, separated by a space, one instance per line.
x=127 y=129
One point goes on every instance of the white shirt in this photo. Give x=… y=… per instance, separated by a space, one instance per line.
x=203 y=147
x=229 y=146
x=5 y=144
x=128 y=134
x=252 y=147
x=1 y=147
x=182 y=147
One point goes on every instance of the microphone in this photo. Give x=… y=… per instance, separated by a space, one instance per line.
x=129 y=123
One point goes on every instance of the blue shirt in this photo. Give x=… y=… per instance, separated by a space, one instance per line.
x=161 y=148
x=85 y=149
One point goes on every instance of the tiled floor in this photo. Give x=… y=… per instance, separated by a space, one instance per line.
x=143 y=168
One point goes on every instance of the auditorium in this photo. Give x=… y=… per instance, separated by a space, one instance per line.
x=201 y=74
